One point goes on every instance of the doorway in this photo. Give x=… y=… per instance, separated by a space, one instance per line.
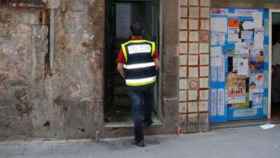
x=275 y=65
x=120 y=15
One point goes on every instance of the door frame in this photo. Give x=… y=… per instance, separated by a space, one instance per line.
x=271 y=11
x=158 y=98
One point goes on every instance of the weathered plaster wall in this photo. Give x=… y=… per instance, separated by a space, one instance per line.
x=23 y=46
x=77 y=80
x=68 y=102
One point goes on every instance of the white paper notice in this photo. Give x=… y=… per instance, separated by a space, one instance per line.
x=215 y=51
x=258 y=19
x=221 y=68
x=233 y=35
x=213 y=102
x=219 y=24
x=248 y=25
x=218 y=38
x=258 y=40
x=221 y=102
x=243 y=66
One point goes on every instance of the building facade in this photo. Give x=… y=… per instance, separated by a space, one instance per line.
x=53 y=66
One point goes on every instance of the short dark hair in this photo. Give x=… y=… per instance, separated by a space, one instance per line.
x=136 y=29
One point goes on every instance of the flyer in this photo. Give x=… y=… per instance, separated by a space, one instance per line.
x=221 y=101
x=259 y=40
x=218 y=38
x=214 y=101
x=219 y=24
x=233 y=23
x=233 y=35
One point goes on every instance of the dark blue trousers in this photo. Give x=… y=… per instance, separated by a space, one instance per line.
x=142 y=107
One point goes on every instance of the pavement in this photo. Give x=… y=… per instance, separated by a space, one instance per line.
x=244 y=142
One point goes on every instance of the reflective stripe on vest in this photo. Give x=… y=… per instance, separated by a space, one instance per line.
x=139 y=66
x=140 y=82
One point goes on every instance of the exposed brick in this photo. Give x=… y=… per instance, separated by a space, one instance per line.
x=204 y=12
x=183 y=71
x=193 y=72
x=203 y=122
x=192 y=107
x=203 y=82
x=183 y=84
x=194 y=36
x=205 y=3
x=204 y=24
x=183 y=24
x=183 y=12
x=193 y=24
x=183 y=60
x=183 y=48
x=204 y=59
x=193 y=83
x=194 y=12
x=193 y=48
x=192 y=95
x=204 y=71
x=183 y=36
x=203 y=94
x=204 y=36
x=182 y=95
x=193 y=60
x=193 y=2
x=203 y=106
x=193 y=123
x=204 y=48
x=184 y=2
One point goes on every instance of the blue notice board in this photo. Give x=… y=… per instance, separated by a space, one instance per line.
x=239 y=64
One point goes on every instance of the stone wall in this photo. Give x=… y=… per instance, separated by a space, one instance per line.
x=77 y=79
x=66 y=101
x=23 y=47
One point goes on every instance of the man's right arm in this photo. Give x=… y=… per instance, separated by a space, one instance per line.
x=120 y=64
x=120 y=69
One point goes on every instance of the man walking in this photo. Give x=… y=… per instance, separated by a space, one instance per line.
x=137 y=63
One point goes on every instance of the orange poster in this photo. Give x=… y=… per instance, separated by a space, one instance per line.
x=233 y=23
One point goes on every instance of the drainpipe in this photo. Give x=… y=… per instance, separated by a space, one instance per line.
x=52 y=38
x=52 y=5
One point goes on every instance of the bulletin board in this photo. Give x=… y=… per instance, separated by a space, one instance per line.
x=239 y=64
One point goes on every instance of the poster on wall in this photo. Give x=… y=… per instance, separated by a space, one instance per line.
x=239 y=63
x=236 y=89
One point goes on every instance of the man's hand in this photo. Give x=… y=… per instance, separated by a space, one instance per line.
x=120 y=69
x=157 y=64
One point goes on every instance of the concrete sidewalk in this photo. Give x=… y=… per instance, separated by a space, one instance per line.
x=245 y=142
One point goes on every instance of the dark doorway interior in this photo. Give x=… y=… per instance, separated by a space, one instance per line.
x=120 y=15
x=275 y=88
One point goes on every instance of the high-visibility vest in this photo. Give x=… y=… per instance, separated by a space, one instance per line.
x=139 y=65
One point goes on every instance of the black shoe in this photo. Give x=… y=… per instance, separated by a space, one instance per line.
x=148 y=123
x=139 y=143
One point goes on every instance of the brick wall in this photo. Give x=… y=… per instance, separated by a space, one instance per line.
x=193 y=65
